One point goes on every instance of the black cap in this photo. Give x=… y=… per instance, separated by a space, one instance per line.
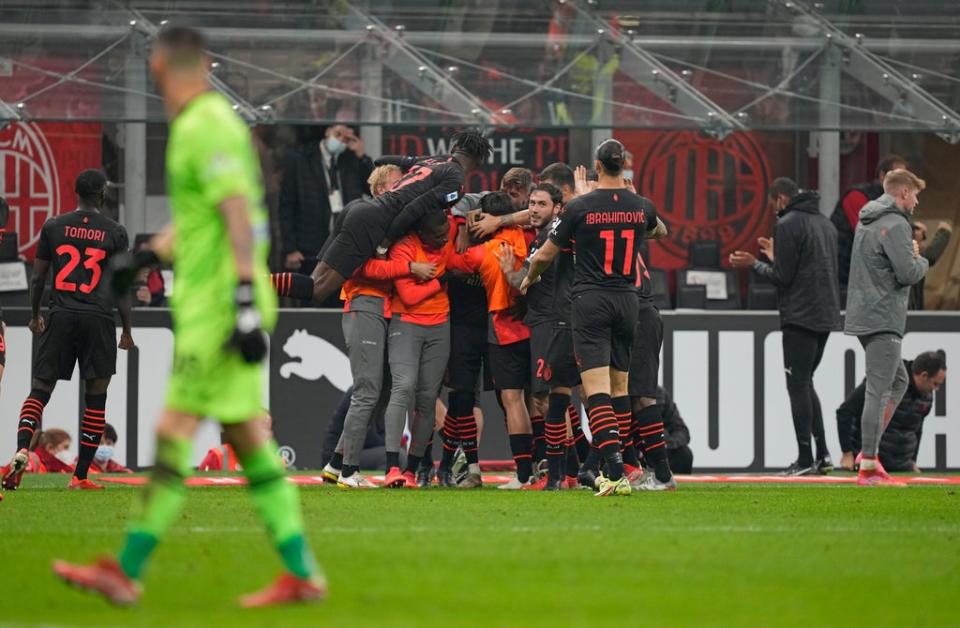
x=610 y=154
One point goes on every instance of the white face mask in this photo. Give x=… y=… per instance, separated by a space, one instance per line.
x=335 y=146
x=64 y=457
x=628 y=175
x=103 y=453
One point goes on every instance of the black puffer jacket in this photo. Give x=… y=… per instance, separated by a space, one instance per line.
x=805 y=266
x=901 y=440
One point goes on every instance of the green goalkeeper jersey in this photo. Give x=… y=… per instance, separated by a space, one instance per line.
x=210 y=158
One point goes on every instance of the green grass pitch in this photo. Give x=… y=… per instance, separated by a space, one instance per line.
x=707 y=555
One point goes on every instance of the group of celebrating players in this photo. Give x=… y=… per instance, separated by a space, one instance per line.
x=543 y=285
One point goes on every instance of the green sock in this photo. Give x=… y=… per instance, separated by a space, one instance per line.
x=277 y=502
x=162 y=499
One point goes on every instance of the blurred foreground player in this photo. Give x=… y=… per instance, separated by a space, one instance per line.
x=608 y=226
x=79 y=245
x=222 y=303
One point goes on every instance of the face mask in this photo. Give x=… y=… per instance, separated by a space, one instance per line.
x=64 y=457
x=103 y=453
x=335 y=146
x=628 y=175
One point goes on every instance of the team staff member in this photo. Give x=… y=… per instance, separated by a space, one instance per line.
x=367 y=312
x=79 y=245
x=545 y=203
x=419 y=345
x=608 y=226
x=886 y=262
x=805 y=274
x=900 y=443
x=508 y=338
x=846 y=213
x=429 y=185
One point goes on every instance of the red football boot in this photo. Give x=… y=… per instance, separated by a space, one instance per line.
x=876 y=477
x=287 y=589
x=535 y=486
x=86 y=484
x=394 y=478
x=13 y=472
x=410 y=480
x=104 y=577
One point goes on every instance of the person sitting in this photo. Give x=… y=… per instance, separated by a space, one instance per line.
x=900 y=442
x=224 y=458
x=103 y=458
x=51 y=451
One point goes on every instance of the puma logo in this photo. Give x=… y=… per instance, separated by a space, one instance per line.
x=315 y=359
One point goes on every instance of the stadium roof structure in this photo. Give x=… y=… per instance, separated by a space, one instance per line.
x=715 y=65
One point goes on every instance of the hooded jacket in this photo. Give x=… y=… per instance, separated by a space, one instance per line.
x=882 y=269
x=805 y=266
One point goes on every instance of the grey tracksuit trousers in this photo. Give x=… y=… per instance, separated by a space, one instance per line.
x=887 y=381
x=365 y=331
x=418 y=359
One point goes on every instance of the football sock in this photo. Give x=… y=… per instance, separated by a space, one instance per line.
x=413 y=463
x=337 y=460
x=393 y=460
x=91 y=431
x=621 y=408
x=292 y=285
x=606 y=433
x=573 y=464
x=520 y=445
x=449 y=438
x=461 y=407
x=428 y=452
x=278 y=503
x=592 y=461
x=579 y=438
x=31 y=417
x=555 y=432
x=650 y=432
x=162 y=499
x=539 y=437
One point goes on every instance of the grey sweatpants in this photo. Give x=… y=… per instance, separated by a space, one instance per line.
x=366 y=335
x=887 y=382
x=418 y=359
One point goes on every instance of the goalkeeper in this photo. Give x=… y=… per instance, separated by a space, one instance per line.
x=222 y=304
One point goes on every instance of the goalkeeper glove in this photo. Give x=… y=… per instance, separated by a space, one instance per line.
x=247 y=337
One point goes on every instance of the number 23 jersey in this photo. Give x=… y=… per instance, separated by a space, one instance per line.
x=79 y=246
x=606 y=228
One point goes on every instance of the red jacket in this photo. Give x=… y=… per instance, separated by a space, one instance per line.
x=214 y=460
x=50 y=463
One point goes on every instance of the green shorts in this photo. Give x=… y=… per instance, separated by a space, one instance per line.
x=210 y=381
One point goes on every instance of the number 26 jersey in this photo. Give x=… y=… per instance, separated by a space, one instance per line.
x=605 y=229
x=79 y=246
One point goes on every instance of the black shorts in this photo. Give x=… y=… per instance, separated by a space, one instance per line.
x=562 y=370
x=71 y=337
x=645 y=359
x=362 y=232
x=510 y=365
x=540 y=335
x=603 y=326
x=468 y=358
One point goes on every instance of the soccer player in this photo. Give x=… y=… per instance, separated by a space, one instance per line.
x=81 y=329
x=608 y=226
x=222 y=303
x=545 y=203
x=419 y=345
x=430 y=184
x=508 y=343
x=643 y=427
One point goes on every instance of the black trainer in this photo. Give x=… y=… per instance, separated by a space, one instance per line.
x=797 y=470
x=587 y=478
x=425 y=475
x=824 y=465
x=553 y=485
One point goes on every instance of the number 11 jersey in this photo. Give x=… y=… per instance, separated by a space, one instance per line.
x=605 y=228
x=79 y=246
